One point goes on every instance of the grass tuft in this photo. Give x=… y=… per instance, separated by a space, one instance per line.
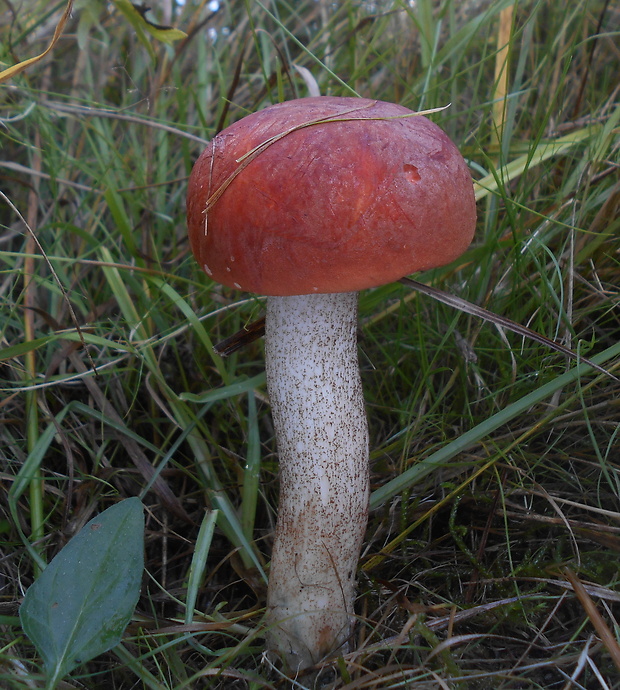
x=491 y=557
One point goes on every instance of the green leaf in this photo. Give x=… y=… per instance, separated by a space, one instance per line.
x=135 y=15
x=24 y=347
x=234 y=389
x=82 y=602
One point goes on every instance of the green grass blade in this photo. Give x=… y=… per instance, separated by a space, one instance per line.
x=199 y=562
x=195 y=322
x=544 y=151
x=230 y=391
x=422 y=469
x=251 y=474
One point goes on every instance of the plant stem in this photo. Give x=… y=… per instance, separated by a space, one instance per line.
x=31 y=403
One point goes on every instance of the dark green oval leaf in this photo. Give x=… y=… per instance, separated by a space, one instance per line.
x=83 y=601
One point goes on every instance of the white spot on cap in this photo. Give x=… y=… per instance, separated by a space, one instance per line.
x=208 y=271
x=237 y=286
x=232 y=259
x=227 y=269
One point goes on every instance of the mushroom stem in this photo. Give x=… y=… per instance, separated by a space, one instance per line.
x=322 y=435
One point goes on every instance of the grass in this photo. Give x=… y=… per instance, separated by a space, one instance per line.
x=491 y=558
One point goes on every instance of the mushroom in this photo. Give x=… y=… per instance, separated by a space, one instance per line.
x=308 y=202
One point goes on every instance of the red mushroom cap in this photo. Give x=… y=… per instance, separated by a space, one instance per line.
x=353 y=195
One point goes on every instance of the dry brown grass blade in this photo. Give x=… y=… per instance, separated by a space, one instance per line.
x=248 y=157
x=114 y=114
x=501 y=321
x=256 y=329
x=30 y=362
x=586 y=72
x=376 y=559
x=13 y=71
x=181 y=629
x=146 y=469
x=501 y=72
x=232 y=88
x=601 y=627
x=33 y=242
x=236 y=341
x=601 y=533
x=17 y=167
